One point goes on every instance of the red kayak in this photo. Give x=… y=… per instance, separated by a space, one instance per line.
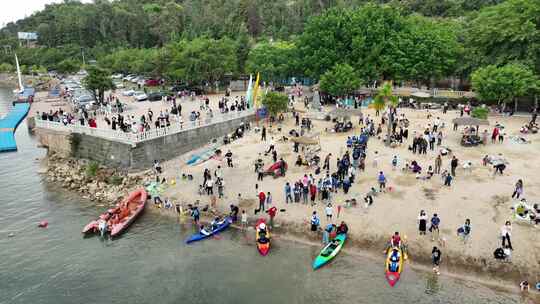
x=393 y=265
x=262 y=237
x=120 y=217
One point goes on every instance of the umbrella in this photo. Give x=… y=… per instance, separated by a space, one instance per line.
x=421 y=94
x=470 y=121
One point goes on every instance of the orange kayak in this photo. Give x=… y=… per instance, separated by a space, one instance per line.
x=262 y=237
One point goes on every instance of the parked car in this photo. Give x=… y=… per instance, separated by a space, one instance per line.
x=135 y=79
x=184 y=87
x=140 y=96
x=128 y=77
x=128 y=93
x=155 y=96
x=151 y=82
x=117 y=76
x=119 y=85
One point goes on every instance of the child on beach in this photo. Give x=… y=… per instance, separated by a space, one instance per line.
x=465 y=230
x=328 y=211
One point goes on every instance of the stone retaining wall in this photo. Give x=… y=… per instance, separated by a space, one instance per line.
x=140 y=156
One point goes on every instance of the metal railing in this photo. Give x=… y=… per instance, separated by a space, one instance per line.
x=406 y=91
x=136 y=137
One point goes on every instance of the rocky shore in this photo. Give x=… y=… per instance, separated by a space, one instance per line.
x=91 y=180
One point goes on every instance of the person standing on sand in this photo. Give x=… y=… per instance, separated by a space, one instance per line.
x=288 y=193
x=436 y=259
x=448 y=180
x=382 y=181
x=244 y=219
x=326 y=165
x=438 y=164
x=328 y=210
x=262 y=201
x=518 y=190
x=422 y=222
x=494 y=135
x=453 y=165
x=263 y=134
x=315 y=221
x=434 y=229
x=506 y=232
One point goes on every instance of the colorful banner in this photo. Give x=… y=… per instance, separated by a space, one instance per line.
x=255 y=92
x=249 y=92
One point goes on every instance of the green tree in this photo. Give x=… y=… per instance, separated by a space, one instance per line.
x=480 y=113
x=202 y=59
x=275 y=102
x=275 y=60
x=385 y=98
x=506 y=33
x=68 y=66
x=504 y=84
x=6 y=68
x=340 y=80
x=98 y=82
x=427 y=50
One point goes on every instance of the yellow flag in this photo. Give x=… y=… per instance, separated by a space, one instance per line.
x=255 y=92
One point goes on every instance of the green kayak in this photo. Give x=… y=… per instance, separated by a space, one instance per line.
x=329 y=251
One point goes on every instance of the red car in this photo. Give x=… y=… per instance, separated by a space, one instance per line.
x=151 y=82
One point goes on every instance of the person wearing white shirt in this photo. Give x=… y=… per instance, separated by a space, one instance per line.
x=328 y=210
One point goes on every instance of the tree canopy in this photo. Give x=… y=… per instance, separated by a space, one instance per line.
x=340 y=80
x=197 y=41
x=503 y=84
x=98 y=82
x=275 y=102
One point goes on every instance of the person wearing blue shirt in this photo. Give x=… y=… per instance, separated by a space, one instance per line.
x=288 y=195
x=382 y=181
x=434 y=229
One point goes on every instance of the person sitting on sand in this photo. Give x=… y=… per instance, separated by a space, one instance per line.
x=524 y=286
x=342 y=228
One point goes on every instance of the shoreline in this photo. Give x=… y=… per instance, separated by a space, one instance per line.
x=306 y=237
x=475 y=194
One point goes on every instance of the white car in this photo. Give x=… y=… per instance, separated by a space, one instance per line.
x=128 y=77
x=117 y=76
x=119 y=85
x=128 y=93
x=135 y=79
x=140 y=96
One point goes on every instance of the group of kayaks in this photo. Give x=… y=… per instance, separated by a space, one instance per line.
x=116 y=220
x=262 y=234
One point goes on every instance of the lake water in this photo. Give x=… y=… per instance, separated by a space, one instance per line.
x=151 y=264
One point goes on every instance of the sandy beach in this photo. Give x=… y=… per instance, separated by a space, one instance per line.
x=475 y=194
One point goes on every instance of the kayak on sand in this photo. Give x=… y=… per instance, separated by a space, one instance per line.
x=330 y=251
x=394 y=265
x=262 y=237
x=224 y=224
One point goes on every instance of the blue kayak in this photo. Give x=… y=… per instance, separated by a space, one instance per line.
x=199 y=236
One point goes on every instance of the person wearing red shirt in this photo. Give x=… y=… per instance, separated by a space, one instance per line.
x=272 y=213
x=262 y=200
x=313 y=193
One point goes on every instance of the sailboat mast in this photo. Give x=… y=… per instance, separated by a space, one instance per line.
x=19 y=73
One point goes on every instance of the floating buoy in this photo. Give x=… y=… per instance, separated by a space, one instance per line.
x=43 y=224
x=173 y=182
